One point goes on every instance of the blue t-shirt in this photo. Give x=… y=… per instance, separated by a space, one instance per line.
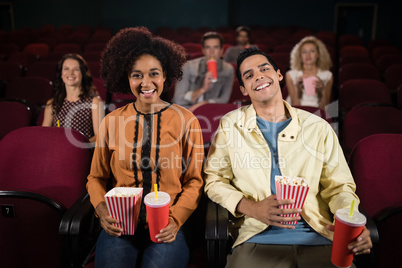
x=303 y=234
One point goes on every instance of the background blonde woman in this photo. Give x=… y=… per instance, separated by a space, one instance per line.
x=308 y=58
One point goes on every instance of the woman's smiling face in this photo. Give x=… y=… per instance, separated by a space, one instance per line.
x=71 y=73
x=146 y=80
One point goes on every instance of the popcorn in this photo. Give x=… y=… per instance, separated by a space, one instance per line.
x=294 y=188
x=124 y=195
x=293 y=181
x=123 y=203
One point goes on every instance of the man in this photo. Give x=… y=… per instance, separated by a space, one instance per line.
x=243 y=42
x=196 y=87
x=268 y=138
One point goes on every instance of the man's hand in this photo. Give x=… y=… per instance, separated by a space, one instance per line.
x=361 y=245
x=205 y=87
x=107 y=221
x=268 y=211
x=207 y=82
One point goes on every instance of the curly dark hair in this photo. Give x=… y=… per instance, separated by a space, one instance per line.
x=59 y=88
x=248 y=53
x=127 y=46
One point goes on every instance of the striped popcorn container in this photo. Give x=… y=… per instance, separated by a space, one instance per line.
x=123 y=204
x=291 y=188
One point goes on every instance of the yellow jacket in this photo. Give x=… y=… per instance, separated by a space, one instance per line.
x=239 y=165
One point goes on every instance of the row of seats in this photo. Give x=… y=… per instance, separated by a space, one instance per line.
x=63 y=226
x=346 y=49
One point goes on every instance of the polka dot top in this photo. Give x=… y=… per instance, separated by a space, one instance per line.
x=76 y=115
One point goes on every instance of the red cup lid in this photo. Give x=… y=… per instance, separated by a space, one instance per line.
x=357 y=219
x=151 y=201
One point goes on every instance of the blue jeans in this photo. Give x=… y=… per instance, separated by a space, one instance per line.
x=139 y=251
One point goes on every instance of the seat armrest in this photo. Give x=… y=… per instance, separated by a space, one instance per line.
x=64 y=228
x=79 y=229
x=385 y=214
x=371 y=226
x=211 y=221
x=368 y=260
x=217 y=221
x=222 y=219
x=216 y=234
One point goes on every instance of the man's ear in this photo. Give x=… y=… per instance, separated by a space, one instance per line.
x=279 y=75
x=243 y=91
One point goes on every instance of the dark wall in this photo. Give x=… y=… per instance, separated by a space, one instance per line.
x=314 y=14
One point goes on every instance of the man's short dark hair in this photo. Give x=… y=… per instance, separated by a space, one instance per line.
x=243 y=29
x=212 y=35
x=248 y=53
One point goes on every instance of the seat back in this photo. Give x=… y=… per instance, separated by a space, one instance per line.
x=363 y=121
x=100 y=87
x=353 y=59
x=399 y=97
x=386 y=61
x=282 y=60
x=358 y=91
x=209 y=116
x=349 y=40
x=24 y=59
x=9 y=71
x=39 y=49
x=6 y=49
x=393 y=76
x=236 y=95
x=68 y=48
x=46 y=69
x=94 y=68
x=353 y=50
x=192 y=47
x=384 y=50
x=95 y=46
x=42 y=173
x=375 y=165
x=50 y=161
x=13 y=115
x=357 y=71
x=34 y=89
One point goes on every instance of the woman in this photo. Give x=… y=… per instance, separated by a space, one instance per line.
x=75 y=103
x=146 y=142
x=309 y=58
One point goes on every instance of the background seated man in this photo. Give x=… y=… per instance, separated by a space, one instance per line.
x=196 y=87
x=243 y=36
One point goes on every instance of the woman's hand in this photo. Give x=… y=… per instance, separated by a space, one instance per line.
x=319 y=84
x=168 y=234
x=107 y=221
x=361 y=245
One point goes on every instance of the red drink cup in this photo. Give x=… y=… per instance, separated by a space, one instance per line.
x=347 y=229
x=212 y=67
x=157 y=213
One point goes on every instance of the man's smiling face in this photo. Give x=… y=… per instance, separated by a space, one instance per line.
x=261 y=81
